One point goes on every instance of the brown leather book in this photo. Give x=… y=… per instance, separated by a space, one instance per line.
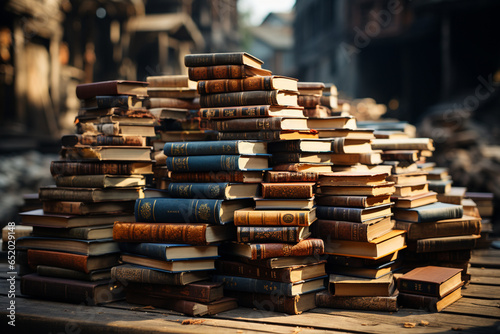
x=247 y=84
x=91 y=168
x=82 y=263
x=170 y=102
x=203 y=292
x=430 y=281
x=401 y=155
x=415 y=201
x=340 y=285
x=387 y=304
x=259 y=123
x=100 y=181
x=275 y=303
x=288 y=190
x=87 y=208
x=443 y=228
x=282 y=176
x=353 y=201
x=99 y=140
x=258 y=234
x=115 y=87
x=442 y=244
x=225 y=113
x=352 y=179
x=89 y=194
x=223 y=58
x=224 y=72
x=132 y=273
x=256 y=97
x=313 y=247
x=429 y=303
x=308 y=101
x=304 y=167
x=249 y=216
x=347 y=230
x=268 y=135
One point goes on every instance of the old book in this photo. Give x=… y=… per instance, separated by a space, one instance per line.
x=408 y=178
x=279 y=176
x=247 y=284
x=451 y=256
x=139 y=274
x=300 y=145
x=169 y=252
x=440 y=186
x=85 y=247
x=308 y=101
x=203 y=292
x=410 y=202
x=257 y=124
x=359 y=168
x=111 y=101
x=353 y=201
x=429 y=213
x=226 y=113
x=386 y=188
x=252 y=217
x=214 y=148
x=256 y=234
x=349 y=146
x=304 y=167
x=288 y=190
x=377 y=248
x=403 y=144
x=107 y=153
x=377 y=303
x=401 y=155
x=248 y=84
x=192 y=233
x=411 y=190
x=348 y=230
x=39 y=218
x=401 y=167
x=115 y=87
x=225 y=72
x=465 y=225
x=90 y=168
x=188 y=135
x=87 y=208
x=259 y=251
x=100 y=140
x=224 y=191
x=353 y=214
x=169 y=102
x=360 y=134
x=89 y=194
x=70 y=290
x=290 y=274
x=115 y=129
x=85 y=233
x=275 y=303
x=340 y=285
x=227 y=58
x=183 y=210
x=442 y=244
x=173 y=81
x=438 y=173
x=100 y=181
x=292 y=157
x=284 y=203
x=92 y=276
x=180 y=93
x=311 y=88
x=79 y=262
x=429 y=303
x=256 y=97
x=430 y=280
x=351 y=179
x=365 y=272
x=346 y=122
x=170 y=266
x=179 y=115
x=268 y=135
x=335 y=261
x=346 y=159
x=454 y=196
x=208 y=163
x=220 y=176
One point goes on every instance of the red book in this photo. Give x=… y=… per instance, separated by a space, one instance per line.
x=115 y=87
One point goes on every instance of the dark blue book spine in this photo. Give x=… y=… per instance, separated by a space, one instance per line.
x=438 y=211
x=203 y=163
x=246 y=284
x=338 y=213
x=220 y=147
x=155 y=251
x=198 y=190
x=178 y=210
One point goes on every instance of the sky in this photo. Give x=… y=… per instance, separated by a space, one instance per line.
x=260 y=8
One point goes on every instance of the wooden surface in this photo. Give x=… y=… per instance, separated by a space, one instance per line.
x=477 y=312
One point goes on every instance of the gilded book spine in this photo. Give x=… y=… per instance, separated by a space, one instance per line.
x=268 y=234
x=203 y=163
x=234 y=112
x=197 y=190
x=278 y=177
x=100 y=140
x=235 y=85
x=89 y=168
x=201 y=148
x=271 y=218
x=259 y=97
x=339 y=213
x=252 y=135
x=313 y=247
x=219 y=177
x=249 y=124
x=216 y=72
x=287 y=190
x=343 y=230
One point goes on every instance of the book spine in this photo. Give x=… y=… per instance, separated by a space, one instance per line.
x=72 y=140
x=252 y=135
x=277 y=190
x=106 y=129
x=87 y=168
x=418 y=287
x=459 y=255
x=342 y=201
x=200 y=148
x=66 y=195
x=308 y=101
x=234 y=112
x=387 y=304
x=338 y=145
x=235 y=85
x=284 y=146
x=111 y=101
x=449 y=212
x=399 y=156
x=63 y=207
x=343 y=230
x=441 y=245
x=433 y=230
x=273 y=303
x=247 y=284
x=169 y=233
x=81 y=181
x=231 y=268
x=338 y=213
x=203 y=163
x=57 y=259
x=168 y=81
x=218 y=177
x=280 y=177
x=197 y=60
x=151 y=250
x=259 y=97
x=271 y=218
x=143 y=275
x=197 y=190
x=268 y=234
x=216 y=72
x=284 y=158
x=416 y=301
x=50 y=271
x=170 y=102
x=87 y=91
x=195 y=292
x=313 y=247
x=249 y=124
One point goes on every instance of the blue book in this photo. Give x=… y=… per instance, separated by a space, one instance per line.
x=214 y=163
x=254 y=285
x=217 y=147
x=429 y=213
x=213 y=190
x=169 y=252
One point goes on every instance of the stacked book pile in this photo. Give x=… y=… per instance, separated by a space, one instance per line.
x=388 y=128
x=480 y=204
x=311 y=96
x=98 y=179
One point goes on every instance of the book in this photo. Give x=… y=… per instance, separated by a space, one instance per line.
x=115 y=129
x=430 y=281
x=181 y=93
x=363 y=134
x=259 y=251
x=268 y=135
x=336 y=261
x=451 y=256
x=70 y=290
x=288 y=190
x=169 y=252
x=51 y=193
x=184 y=210
x=348 y=230
x=353 y=201
x=429 y=303
x=304 y=167
x=408 y=156
x=311 y=88
x=279 y=262
x=377 y=303
x=111 y=101
x=401 y=167
x=39 y=218
x=410 y=202
x=256 y=234
x=227 y=58
x=224 y=191
x=87 y=208
x=411 y=190
x=274 y=82
x=92 y=276
x=308 y=101
x=408 y=178
x=290 y=274
x=386 y=188
x=225 y=72
x=139 y=121
x=346 y=122
x=377 y=248
x=250 y=216
x=349 y=146
x=352 y=179
x=170 y=102
x=90 y=168
x=442 y=244
x=100 y=181
x=115 y=87
x=372 y=272
x=340 y=285
x=101 y=140
x=292 y=157
x=107 y=153
x=208 y=163
x=454 y=196
x=281 y=176
x=85 y=233
x=170 y=266
x=219 y=176
x=247 y=284
x=137 y=274
x=225 y=113
x=202 y=292
x=465 y=225
x=284 y=203
x=78 y=246
x=173 y=81
x=79 y=262
x=403 y=144
x=353 y=214
x=225 y=147
x=189 y=135
x=257 y=124
x=256 y=97
x=440 y=186
x=429 y=213
x=275 y=303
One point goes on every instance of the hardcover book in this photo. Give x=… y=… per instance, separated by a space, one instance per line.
x=85 y=247
x=275 y=303
x=442 y=244
x=269 y=135
x=284 y=203
x=431 y=281
x=203 y=292
x=101 y=140
x=225 y=113
x=170 y=266
x=222 y=147
x=289 y=157
x=257 y=124
x=218 y=177
x=410 y=202
x=88 y=208
x=372 y=272
x=79 y=262
x=85 y=232
x=288 y=190
x=255 y=251
x=225 y=191
x=227 y=58
x=111 y=101
x=107 y=153
x=347 y=122
x=429 y=213
x=347 y=230
x=465 y=225
x=403 y=144
x=353 y=214
x=225 y=72
x=386 y=188
x=208 y=163
x=340 y=285
x=252 y=217
x=352 y=179
x=172 y=81
x=115 y=87
x=100 y=181
x=248 y=84
x=432 y=304
x=377 y=303
x=256 y=234
x=411 y=190
x=279 y=176
x=169 y=252
x=91 y=168
x=95 y=275
x=38 y=218
x=51 y=193
x=353 y=201
x=301 y=145
x=139 y=274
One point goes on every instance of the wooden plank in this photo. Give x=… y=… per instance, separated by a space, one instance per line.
x=489 y=258
x=486 y=280
x=476 y=307
x=482 y=291
x=489 y=252
x=485 y=272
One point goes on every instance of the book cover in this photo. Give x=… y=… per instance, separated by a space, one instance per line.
x=348 y=230
x=430 y=280
x=38 y=218
x=257 y=234
x=203 y=292
x=258 y=251
x=465 y=225
x=432 y=304
x=169 y=252
x=282 y=176
x=95 y=275
x=139 y=274
x=225 y=191
x=257 y=97
x=78 y=246
x=442 y=244
x=275 y=303
x=288 y=190
x=115 y=87
x=94 y=168
x=222 y=147
x=247 y=84
x=208 y=163
x=224 y=58
x=225 y=72
x=377 y=303
x=237 y=112
x=340 y=285
x=237 y=176
x=353 y=214
x=72 y=194
x=250 y=216
x=79 y=262
x=353 y=201
x=102 y=140
x=85 y=232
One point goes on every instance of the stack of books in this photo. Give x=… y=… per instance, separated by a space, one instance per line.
x=389 y=128
x=100 y=176
x=480 y=204
x=311 y=96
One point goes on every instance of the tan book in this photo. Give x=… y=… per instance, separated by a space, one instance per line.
x=409 y=202
x=411 y=190
x=430 y=281
x=340 y=285
x=352 y=179
x=107 y=153
x=172 y=81
x=386 y=188
x=408 y=178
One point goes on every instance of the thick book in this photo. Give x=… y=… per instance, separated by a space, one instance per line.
x=429 y=303
x=340 y=285
x=268 y=135
x=274 y=82
x=85 y=232
x=258 y=124
x=429 y=213
x=77 y=246
x=305 y=167
x=346 y=122
x=279 y=262
x=225 y=58
x=235 y=112
x=309 y=101
x=411 y=190
x=138 y=274
x=169 y=252
x=275 y=303
x=259 y=251
x=350 y=146
x=222 y=147
x=173 y=81
x=442 y=244
x=293 y=157
x=365 y=271
x=410 y=202
x=70 y=290
x=188 y=233
x=440 y=186
x=220 y=176
x=51 y=193
x=335 y=261
x=374 y=303
x=301 y=145
x=79 y=262
x=170 y=266
x=183 y=93
x=386 y=188
x=184 y=210
x=256 y=234
x=237 y=283
x=464 y=225
x=92 y=168
x=225 y=191
x=365 y=134
x=403 y=144
x=209 y=163
x=407 y=156
x=348 y=230
x=100 y=181
x=290 y=274
x=408 y=178
x=284 y=203
x=95 y=275
x=256 y=97
x=288 y=190
x=111 y=101
x=430 y=281
x=38 y=218
x=225 y=72
x=107 y=153
x=203 y=292
x=115 y=87
x=101 y=140
x=170 y=102
x=352 y=179
x=87 y=208
x=451 y=256
x=281 y=176
x=353 y=214
x=252 y=217
x=353 y=201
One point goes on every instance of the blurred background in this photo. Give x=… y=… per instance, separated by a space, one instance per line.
x=435 y=63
